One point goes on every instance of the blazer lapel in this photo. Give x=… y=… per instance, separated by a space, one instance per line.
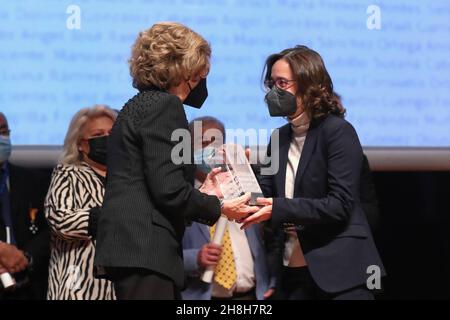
x=308 y=149
x=280 y=177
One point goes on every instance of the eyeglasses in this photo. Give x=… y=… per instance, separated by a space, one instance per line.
x=5 y=132
x=280 y=83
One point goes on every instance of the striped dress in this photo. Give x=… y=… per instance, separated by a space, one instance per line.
x=73 y=191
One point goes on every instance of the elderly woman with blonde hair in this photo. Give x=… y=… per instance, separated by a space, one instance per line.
x=72 y=207
x=150 y=194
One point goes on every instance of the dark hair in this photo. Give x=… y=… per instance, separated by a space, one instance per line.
x=209 y=120
x=314 y=84
x=339 y=103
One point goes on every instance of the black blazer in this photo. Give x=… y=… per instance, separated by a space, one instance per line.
x=28 y=188
x=148 y=198
x=332 y=227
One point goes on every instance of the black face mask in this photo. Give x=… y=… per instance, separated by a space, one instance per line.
x=97 y=149
x=281 y=103
x=198 y=95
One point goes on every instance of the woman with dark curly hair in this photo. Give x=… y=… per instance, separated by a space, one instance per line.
x=149 y=193
x=320 y=242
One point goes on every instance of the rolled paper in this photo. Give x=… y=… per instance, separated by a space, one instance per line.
x=217 y=239
x=7 y=280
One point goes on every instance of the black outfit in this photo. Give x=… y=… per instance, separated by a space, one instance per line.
x=142 y=284
x=27 y=190
x=331 y=226
x=368 y=195
x=148 y=197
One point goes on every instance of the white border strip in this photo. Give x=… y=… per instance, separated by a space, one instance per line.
x=408 y=159
x=380 y=158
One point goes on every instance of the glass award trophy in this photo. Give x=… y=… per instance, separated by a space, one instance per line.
x=237 y=177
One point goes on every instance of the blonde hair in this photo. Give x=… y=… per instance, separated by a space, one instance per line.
x=166 y=54
x=71 y=155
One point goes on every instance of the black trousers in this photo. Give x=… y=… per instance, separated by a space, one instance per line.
x=249 y=295
x=297 y=284
x=141 y=284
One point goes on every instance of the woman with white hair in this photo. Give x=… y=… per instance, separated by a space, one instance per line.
x=72 y=207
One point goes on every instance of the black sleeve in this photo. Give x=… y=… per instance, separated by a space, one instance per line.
x=168 y=188
x=344 y=169
x=266 y=180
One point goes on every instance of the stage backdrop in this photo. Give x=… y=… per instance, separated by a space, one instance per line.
x=390 y=60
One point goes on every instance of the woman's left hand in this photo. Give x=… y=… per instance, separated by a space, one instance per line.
x=265 y=213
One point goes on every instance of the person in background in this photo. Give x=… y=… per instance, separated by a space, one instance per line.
x=368 y=196
x=24 y=234
x=243 y=250
x=72 y=207
x=320 y=244
x=367 y=192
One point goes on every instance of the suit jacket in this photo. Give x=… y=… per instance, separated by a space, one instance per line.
x=27 y=190
x=198 y=235
x=331 y=226
x=148 y=197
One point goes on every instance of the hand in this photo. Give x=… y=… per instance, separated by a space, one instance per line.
x=209 y=255
x=12 y=259
x=237 y=208
x=2 y=269
x=211 y=185
x=269 y=293
x=265 y=213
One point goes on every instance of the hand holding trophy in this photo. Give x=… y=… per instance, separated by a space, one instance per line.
x=232 y=180
x=233 y=208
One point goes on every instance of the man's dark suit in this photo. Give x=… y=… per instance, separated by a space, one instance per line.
x=27 y=190
x=332 y=227
x=368 y=196
x=148 y=197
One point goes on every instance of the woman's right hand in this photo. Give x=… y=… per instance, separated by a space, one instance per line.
x=237 y=208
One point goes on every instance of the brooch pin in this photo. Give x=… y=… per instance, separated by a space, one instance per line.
x=33 y=214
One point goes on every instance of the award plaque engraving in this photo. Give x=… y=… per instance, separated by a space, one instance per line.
x=237 y=177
